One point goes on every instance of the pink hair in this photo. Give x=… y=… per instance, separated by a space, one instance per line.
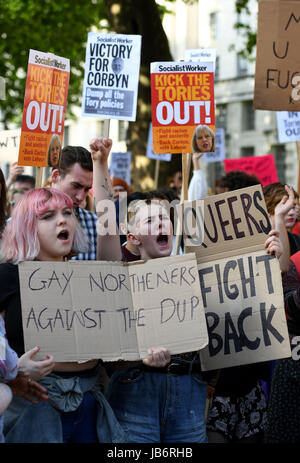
x=20 y=240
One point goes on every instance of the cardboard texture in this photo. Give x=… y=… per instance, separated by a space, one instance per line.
x=277 y=74
x=88 y=310
x=240 y=283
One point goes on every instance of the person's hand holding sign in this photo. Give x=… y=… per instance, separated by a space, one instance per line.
x=157 y=357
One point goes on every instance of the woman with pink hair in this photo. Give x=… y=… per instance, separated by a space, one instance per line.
x=43 y=227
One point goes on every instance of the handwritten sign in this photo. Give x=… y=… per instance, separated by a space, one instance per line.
x=263 y=167
x=182 y=97
x=240 y=283
x=111 y=77
x=44 y=106
x=9 y=144
x=288 y=126
x=78 y=310
x=277 y=75
x=244 y=311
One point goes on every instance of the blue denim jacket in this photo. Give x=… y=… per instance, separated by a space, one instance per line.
x=41 y=423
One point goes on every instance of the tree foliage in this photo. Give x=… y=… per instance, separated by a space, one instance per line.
x=59 y=27
x=242 y=7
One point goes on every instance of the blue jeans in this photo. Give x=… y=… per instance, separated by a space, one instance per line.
x=159 y=407
x=80 y=426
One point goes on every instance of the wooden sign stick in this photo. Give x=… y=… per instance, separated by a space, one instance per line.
x=39 y=177
x=186 y=165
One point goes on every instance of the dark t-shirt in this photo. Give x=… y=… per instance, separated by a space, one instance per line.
x=10 y=303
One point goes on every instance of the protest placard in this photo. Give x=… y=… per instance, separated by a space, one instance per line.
x=182 y=97
x=263 y=167
x=120 y=166
x=44 y=106
x=288 y=126
x=201 y=54
x=244 y=311
x=277 y=74
x=111 y=77
x=9 y=144
x=150 y=153
x=109 y=310
x=240 y=283
x=219 y=154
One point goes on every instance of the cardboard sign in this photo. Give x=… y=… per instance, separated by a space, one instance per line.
x=182 y=96
x=218 y=225
x=288 y=126
x=244 y=311
x=44 y=106
x=120 y=166
x=240 y=283
x=9 y=144
x=150 y=153
x=201 y=54
x=263 y=167
x=90 y=310
x=277 y=74
x=219 y=154
x=112 y=66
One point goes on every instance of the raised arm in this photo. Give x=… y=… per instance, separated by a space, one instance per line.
x=198 y=186
x=108 y=242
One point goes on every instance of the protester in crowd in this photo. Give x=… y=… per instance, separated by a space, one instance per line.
x=273 y=194
x=175 y=182
x=203 y=140
x=88 y=203
x=219 y=188
x=239 y=405
x=3 y=203
x=19 y=181
x=198 y=186
x=235 y=180
x=283 y=424
x=120 y=185
x=14 y=171
x=43 y=227
x=18 y=375
x=54 y=151
x=136 y=392
x=14 y=196
x=74 y=176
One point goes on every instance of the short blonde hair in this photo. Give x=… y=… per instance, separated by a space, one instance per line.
x=202 y=128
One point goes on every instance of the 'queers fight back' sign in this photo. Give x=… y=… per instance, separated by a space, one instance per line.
x=240 y=282
x=182 y=97
x=109 y=310
x=45 y=103
x=111 y=77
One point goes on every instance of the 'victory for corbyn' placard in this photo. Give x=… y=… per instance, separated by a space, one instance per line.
x=111 y=78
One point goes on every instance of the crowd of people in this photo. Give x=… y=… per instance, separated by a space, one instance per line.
x=164 y=397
